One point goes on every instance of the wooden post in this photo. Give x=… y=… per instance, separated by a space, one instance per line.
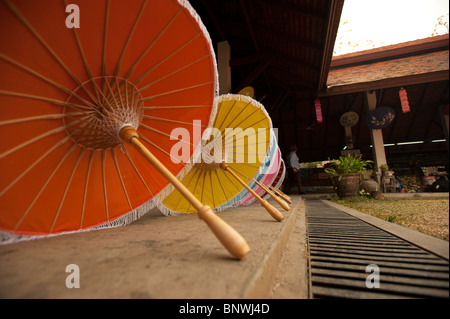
x=223 y=67
x=377 y=137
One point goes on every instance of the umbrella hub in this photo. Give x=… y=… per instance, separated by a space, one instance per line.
x=99 y=108
x=207 y=167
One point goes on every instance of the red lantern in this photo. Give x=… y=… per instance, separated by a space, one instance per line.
x=404 y=100
x=318 y=111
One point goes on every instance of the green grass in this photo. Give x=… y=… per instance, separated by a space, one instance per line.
x=428 y=216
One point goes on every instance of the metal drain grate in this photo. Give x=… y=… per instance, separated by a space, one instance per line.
x=341 y=247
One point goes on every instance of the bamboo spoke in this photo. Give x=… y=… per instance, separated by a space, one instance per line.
x=173 y=107
x=88 y=173
x=40 y=117
x=152 y=43
x=170 y=121
x=269 y=208
x=28 y=25
x=121 y=179
x=145 y=74
x=221 y=186
x=45 y=99
x=105 y=193
x=172 y=73
x=58 y=211
x=176 y=91
x=42 y=77
x=165 y=134
x=43 y=187
x=137 y=172
x=32 y=165
x=130 y=35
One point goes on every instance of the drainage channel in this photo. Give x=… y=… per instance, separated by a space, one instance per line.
x=349 y=258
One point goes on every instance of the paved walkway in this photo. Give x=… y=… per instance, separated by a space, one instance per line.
x=353 y=256
x=178 y=257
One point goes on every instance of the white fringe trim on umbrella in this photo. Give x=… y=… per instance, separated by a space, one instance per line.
x=126 y=219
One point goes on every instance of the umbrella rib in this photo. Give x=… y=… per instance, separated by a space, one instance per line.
x=36 y=197
x=43 y=98
x=231 y=181
x=212 y=189
x=121 y=179
x=162 y=133
x=221 y=186
x=237 y=115
x=133 y=28
x=153 y=42
x=203 y=188
x=226 y=116
x=195 y=187
x=176 y=91
x=164 y=60
x=137 y=171
x=45 y=45
x=227 y=141
x=88 y=173
x=239 y=172
x=170 y=74
x=39 y=117
x=40 y=76
x=244 y=119
x=37 y=138
x=105 y=36
x=187 y=186
x=104 y=183
x=83 y=57
x=67 y=188
x=171 y=121
x=173 y=107
x=56 y=145
x=156 y=146
x=46 y=134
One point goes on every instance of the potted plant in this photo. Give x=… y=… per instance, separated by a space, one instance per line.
x=386 y=171
x=346 y=174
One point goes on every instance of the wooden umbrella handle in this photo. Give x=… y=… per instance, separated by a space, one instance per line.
x=281 y=194
x=275 y=213
x=275 y=197
x=226 y=234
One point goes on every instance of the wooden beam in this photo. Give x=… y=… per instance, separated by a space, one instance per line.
x=297 y=9
x=391 y=52
x=330 y=38
x=387 y=83
x=249 y=26
x=216 y=22
x=255 y=73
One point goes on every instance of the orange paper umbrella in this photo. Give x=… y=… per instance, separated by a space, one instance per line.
x=90 y=91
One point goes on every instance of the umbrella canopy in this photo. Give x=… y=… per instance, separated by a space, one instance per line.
x=66 y=93
x=237 y=145
x=266 y=165
x=266 y=177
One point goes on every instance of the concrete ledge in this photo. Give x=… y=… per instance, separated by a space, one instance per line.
x=155 y=257
x=292 y=279
x=434 y=245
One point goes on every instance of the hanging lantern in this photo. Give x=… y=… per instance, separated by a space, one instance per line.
x=404 y=100
x=318 y=111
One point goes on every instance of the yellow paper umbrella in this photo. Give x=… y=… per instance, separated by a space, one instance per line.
x=232 y=150
x=248 y=90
